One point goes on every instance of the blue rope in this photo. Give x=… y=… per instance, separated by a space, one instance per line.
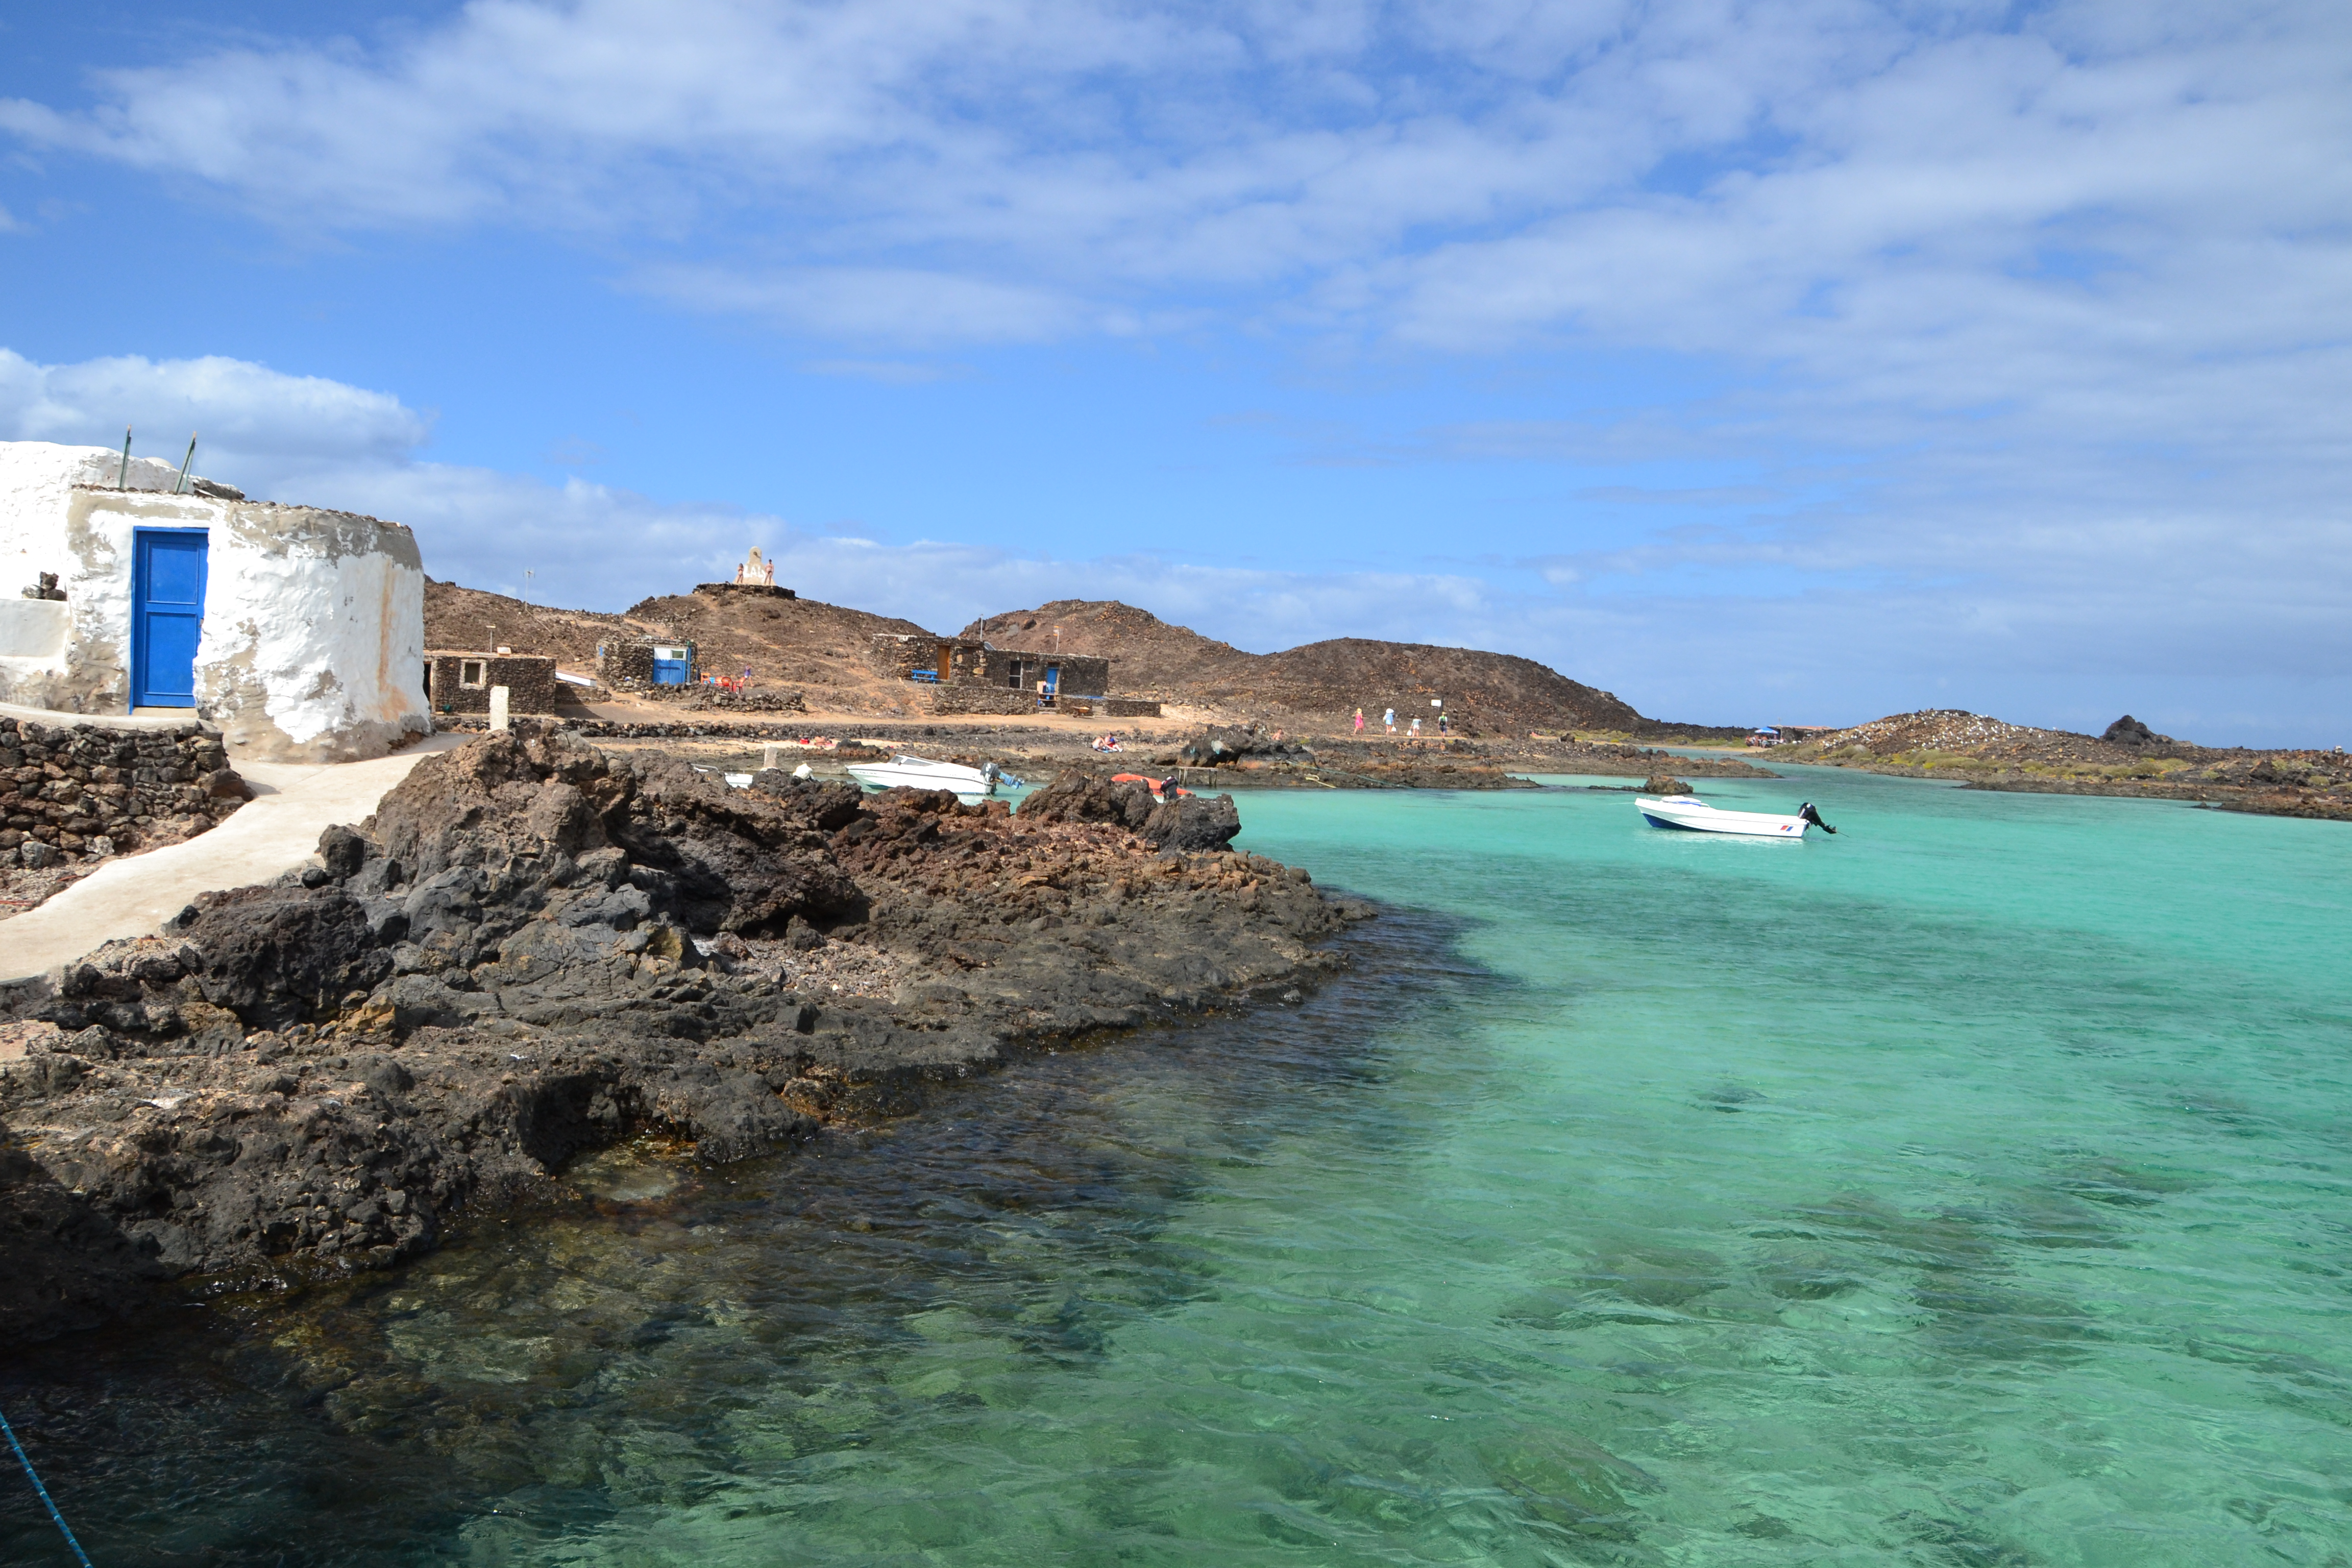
x=35 y=1476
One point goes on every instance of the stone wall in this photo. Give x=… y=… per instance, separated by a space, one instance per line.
x=529 y=678
x=972 y=698
x=1083 y=675
x=83 y=790
x=704 y=699
x=1128 y=708
x=628 y=664
x=896 y=656
x=960 y=661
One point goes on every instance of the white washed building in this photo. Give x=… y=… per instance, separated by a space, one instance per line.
x=299 y=632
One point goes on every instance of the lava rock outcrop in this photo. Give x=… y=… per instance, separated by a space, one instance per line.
x=533 y=949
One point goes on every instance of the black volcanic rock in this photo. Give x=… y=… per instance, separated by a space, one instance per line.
x=2129 y=732
x=534 y=949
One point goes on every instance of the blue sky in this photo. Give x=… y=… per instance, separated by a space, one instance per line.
x=1803 y=361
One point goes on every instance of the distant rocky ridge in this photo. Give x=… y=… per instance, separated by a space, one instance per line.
x=2128 y=760
x=1324 y=681
x=802 y=651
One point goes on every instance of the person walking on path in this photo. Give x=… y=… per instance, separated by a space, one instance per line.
x=1360 y=721
x=1441 y=727
x=1414 y=733
x=1389 y=718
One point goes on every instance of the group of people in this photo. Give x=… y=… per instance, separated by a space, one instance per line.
x=1412 y=731
x=1108 y=743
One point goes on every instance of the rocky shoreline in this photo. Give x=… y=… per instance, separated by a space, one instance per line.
x=1252 y=758
x=2130 y=761
x=534 y=949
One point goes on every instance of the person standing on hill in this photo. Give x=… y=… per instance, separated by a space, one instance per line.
x=1414 y=733
x=1360 y=721
x=1389 y=718
x=1442 y=727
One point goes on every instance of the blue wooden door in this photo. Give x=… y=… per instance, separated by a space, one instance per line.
x=167 y=616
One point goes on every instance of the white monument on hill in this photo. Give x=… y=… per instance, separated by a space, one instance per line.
x=757 y=571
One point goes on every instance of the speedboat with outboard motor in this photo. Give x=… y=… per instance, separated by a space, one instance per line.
x=1692 y=814
x=971 y=785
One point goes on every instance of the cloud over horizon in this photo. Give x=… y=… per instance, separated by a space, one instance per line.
x=1882 y=345
x=1646 y=622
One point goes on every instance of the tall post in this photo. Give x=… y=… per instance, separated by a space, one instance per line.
x=498 y=707
x=181 y=482
x=122 y=475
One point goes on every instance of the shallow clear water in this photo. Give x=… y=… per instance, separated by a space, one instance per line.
x=1969 y=1188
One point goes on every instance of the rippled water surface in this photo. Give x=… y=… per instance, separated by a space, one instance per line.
x=1969 y=1188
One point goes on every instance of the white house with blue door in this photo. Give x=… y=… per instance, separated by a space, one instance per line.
x=299 y=631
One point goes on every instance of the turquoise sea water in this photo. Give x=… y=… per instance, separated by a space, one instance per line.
x=1969 y=1188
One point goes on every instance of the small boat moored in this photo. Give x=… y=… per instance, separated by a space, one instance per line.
x=1692 y=814
x=971 y=785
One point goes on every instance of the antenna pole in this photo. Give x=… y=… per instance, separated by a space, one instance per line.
x=122 y=476
x=181 y=482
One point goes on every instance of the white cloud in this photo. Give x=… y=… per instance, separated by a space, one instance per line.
x=1706 y=175
x=2033 y=263
x=2016 y=336
x=241 y=411
x=2163 y=601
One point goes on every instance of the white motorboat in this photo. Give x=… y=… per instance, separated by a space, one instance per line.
x=971 y=785
x=1692 y=814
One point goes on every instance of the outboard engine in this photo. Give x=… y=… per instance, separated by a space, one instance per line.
x=992 y=773
x=1809 y=815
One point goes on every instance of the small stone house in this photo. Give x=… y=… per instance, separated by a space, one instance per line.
x=298 y=631
x=626 y=662
x=959 y=661
x=458 y=681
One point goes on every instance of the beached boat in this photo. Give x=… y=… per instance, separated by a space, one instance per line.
x=1692 y=814
x=1161 y=789
x=971 y=785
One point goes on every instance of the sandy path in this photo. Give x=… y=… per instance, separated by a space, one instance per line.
x=275 y=832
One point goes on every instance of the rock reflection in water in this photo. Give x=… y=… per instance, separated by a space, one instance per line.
x=661 y=1334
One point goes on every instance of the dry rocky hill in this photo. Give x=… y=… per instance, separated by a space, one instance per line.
x=814 y=648
x=822 y=652
x=1321 y=683
x=2129 y=759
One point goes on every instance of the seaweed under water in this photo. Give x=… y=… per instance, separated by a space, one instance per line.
x=1964 y=1190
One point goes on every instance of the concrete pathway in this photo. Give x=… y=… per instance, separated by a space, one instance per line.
x=275 y=831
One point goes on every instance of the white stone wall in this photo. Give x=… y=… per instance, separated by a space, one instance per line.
x=313 y=640
x=314 y=631
x=36 y=479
